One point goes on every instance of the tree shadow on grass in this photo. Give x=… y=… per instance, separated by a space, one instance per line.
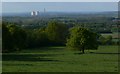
x=79 y=53
x=48 y=48
x=97 y=53
x=29 y=57
x=103 y=53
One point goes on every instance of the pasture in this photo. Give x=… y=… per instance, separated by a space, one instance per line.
x=59 y=59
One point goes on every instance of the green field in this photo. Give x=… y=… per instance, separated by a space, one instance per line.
x=59 y=59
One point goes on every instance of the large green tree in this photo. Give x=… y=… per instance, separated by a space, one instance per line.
x=56 y=32
x=7 y=44
x=37 y=38
x=81 y=39
x=18 y=36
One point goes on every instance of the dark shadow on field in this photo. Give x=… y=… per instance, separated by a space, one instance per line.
x=48 y=48
x=78 y=53
x=103 y=53
x=29 y=57
x=97 y=53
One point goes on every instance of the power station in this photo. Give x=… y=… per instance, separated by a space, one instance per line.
x=36 y=13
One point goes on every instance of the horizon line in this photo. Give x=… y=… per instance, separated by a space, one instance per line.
x=63 y=11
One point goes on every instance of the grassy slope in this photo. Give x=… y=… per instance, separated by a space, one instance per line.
x=56 y=59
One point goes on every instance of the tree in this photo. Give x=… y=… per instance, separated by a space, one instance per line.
x=41 y=38
x=105 y=40
x=37 y=38
x=7 y=44
x=56 y=32
x=102 y=40
x=18 y=36
x=81 y=39
x=109 y=39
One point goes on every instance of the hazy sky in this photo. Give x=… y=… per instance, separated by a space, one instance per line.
x=8 y=7
x=60 y=0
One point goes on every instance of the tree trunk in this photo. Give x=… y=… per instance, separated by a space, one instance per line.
x=83 y=49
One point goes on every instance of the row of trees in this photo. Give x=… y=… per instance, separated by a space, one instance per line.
x=55 y=34
x=17 y=38
x=13 y=37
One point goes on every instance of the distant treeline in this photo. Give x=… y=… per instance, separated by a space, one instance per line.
x=99 y=24
x=54 y=34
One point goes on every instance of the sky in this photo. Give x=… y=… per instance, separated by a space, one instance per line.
x=18 y=7
x=60 y=0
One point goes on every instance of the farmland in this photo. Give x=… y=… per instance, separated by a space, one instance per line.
x=59 y=37
x=59 y=59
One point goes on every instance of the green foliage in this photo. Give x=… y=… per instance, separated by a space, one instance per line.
x=18 y=36
x=115 y=29
x=56 y=32
x=37 y=38
x=102 y=40
x=109 y=39
x=81 y=38
x=7 y=44
x=105 y=40
x=14 y=37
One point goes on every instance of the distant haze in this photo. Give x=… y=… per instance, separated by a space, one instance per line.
x=18 y=7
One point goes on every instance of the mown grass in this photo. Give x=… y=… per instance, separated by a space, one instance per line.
x=58 y=59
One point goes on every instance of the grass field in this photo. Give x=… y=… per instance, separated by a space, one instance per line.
x=59 y=59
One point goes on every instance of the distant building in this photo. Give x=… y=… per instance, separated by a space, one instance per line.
x=34 y=13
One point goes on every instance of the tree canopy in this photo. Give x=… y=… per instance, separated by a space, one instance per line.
x=14 y=37
x=56 y=32
x=81 y=38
